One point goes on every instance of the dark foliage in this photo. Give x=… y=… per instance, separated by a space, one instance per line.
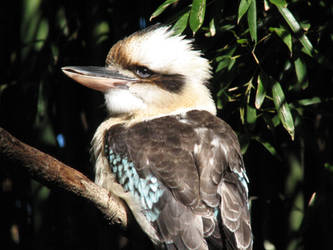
x=271 y=83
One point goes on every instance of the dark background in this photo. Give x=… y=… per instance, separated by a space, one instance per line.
x=39 y=105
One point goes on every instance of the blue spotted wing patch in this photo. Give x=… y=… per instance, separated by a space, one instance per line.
x=147 y=191
x=242 y=177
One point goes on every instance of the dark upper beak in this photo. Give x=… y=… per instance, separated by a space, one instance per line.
x=98 y=78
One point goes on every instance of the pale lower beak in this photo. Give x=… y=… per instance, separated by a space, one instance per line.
x=98 y=78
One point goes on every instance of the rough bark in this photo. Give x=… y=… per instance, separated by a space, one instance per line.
x=51 y=172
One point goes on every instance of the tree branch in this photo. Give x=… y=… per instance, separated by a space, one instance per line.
x=51 y=172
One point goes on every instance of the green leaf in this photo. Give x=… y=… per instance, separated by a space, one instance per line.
x=181 y=23
x=296 y=28
x=251 y=114
x=252 y=20
x=197 y=14
x=244 y=142
x=285 y=35
x=3 y=86
x=241 y=114
x=301 y=73
x=212 y=29
x=227 y=50
x=267 y=146
x=101 y=31
x=227 y=27
x=32 y=27
x=228 y=63
x=227 y=60
x=161 y=8
x=242 y=9
x=310 y=101
x=276 y=121
x=280 y=3
x=219 y=104
x=249 y=87
x=242 y=41
x=282 y=109
x=312 y=199
x=42 y=32
x=232 y=62
x=261 y=92
x=224 y=62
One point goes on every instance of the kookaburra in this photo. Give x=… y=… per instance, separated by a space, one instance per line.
x=163 y=151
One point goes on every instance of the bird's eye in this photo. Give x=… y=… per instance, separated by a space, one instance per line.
x=143 y=72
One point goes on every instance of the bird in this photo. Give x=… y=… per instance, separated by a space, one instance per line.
x=162 y=150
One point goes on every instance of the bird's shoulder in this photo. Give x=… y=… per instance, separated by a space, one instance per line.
x=172 y=134
x=176 y=130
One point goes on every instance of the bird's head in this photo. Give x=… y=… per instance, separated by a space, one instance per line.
x=150 y=73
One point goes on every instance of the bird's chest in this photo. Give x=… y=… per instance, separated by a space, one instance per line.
x=135 y=179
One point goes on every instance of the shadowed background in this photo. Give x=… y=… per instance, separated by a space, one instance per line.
x=257 y=59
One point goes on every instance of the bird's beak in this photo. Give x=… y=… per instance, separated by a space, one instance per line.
x=98 y=78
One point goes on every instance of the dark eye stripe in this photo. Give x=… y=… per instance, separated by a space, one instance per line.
x=170 y=82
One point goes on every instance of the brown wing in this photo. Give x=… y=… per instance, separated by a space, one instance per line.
x=165 y=150
x=195 y=157
x=223 y=181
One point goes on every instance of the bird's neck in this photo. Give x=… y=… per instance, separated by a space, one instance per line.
x=191 y=98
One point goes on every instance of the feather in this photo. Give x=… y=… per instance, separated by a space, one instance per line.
x=194 y=160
